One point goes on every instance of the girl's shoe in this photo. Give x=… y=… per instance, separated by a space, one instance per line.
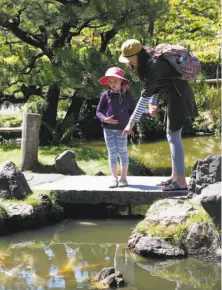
x=114 y=183
x=123 y=183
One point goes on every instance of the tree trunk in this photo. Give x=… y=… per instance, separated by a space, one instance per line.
x=74 y=107
x=72 y=114
x=48 y=126
x=151 y=25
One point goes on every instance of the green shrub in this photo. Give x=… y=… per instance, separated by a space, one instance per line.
x=11 y=121
x=208 y=99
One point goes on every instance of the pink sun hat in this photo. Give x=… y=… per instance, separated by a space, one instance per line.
x=113 y=72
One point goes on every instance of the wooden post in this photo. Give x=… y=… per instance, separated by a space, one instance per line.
x=30 y=140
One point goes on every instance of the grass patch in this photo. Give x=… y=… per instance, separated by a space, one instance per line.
x=175 y=233
x=33 y=200
x=93 y=157
x=90 y=160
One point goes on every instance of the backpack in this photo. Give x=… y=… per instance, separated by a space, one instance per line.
x=181 y=59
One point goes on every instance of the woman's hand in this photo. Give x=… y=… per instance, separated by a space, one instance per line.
x=110 y=120
x=153 y=111
x=128 y=129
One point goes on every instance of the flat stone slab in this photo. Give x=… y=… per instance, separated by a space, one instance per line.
x=87 y=189
x=34 y=179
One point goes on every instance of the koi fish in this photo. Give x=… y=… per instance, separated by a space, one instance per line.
x=98 y=265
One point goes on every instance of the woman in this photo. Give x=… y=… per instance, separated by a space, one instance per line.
x=156 y=74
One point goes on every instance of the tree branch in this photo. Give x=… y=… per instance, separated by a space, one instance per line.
x=75 y=2
x=96 y=26
x=202 y=13
x=83 y=25
x=106 y=37
x=12 y=99
x=12 y=42
x=13 y=26
x=31 y=65
x=27 y=92
x=30 y=91
x=60 y=41
x=29 y=38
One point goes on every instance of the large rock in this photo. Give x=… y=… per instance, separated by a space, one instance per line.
x=205 y=171
x=174 y=228
x=108 y=276
x=13 y=184
x=65 y=163
x=21 y=214
x=157 y=247
x=210 y=199
x=202 y=240
x=42 y=208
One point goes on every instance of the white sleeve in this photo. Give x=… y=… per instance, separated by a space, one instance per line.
x=142 y=106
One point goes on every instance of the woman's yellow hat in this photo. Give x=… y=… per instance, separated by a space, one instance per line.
x=129 y=48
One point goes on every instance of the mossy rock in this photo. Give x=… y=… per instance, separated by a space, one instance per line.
x=179 y=223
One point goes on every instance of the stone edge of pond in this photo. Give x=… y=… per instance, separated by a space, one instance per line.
x=42 y=208
x=37 y=209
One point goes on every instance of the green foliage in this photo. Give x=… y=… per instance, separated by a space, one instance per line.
x=208 y=99
x=71 y=46
x=35 y=104
x=32 y=199
x=194 y=24
x=10 y=120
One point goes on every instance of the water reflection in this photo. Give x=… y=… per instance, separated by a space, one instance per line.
x=69 y=255
x=156 y=155
x=187 y=273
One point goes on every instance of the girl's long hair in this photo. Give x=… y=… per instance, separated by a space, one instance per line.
x=146 y=54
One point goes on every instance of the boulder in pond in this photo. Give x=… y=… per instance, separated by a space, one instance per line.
x=66 y=164
x=205 y=171
x=175 y=228
x=110 y=278
x=13 y=184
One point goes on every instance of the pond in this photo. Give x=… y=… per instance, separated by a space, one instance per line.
x=156 y=155
x=68 y=255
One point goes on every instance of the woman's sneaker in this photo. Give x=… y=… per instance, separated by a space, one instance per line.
x=123 y=183
x=114 y=183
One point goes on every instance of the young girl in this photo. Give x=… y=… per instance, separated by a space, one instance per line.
x=114 y=109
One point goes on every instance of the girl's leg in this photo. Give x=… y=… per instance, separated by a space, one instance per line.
x=123 y=154
x=111 y=143
x=177 y=156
